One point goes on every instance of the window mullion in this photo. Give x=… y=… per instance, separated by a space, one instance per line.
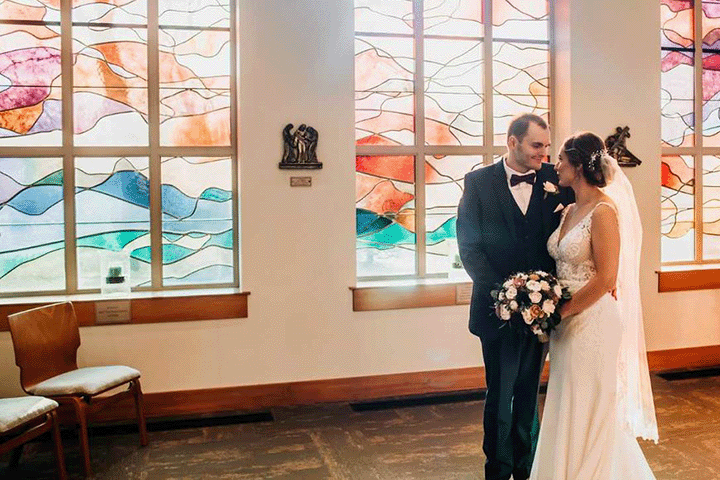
x=698 y=158
x=488 y=127
x=154 y=155
x=420 y=233
x=234 y=139
x=66 y=71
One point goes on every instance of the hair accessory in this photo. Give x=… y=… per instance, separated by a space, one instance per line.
x=595 y=158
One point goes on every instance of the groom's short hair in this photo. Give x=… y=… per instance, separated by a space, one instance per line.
x=520 y=124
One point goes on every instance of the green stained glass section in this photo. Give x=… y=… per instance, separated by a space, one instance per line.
x=388 y=16
x=444 y=182
x=384 y=108
x=453 y=92
x=197 y=226
x=385 y=215
x=112 y=217
x=32 y=232
x=521 y=83
x=677 y=209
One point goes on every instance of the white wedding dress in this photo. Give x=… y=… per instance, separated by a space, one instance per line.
x=582 y=436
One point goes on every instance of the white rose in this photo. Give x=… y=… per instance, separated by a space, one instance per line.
x=533 y=286
x=527 y=316
x=541 y=273
x=504 y=313
x=535 y=297
x=513 y=306
x=544 y=286
x=508 y=283
x=501 y=296
x=511 y=293
x=557 y=290
x=548 y=306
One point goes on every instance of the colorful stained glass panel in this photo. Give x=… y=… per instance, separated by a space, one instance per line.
x=110 y=11
x=194 y=13
x=677 y=209
x=384 y=108
x=194 y=88
x=388 y=16
x=527 y=20
x=385 y=215
x=197 y=225
x=444 y=178
x=110 y=87
x=456 y=18
x=521 y=83
x=711 y=208
x=677 y=98
x=112 y=200
x=453 y=92
x=32 y=232
x=30 y=89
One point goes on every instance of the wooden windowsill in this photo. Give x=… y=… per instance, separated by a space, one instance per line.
x=145 y=307
x=695 y=277
x=421 y=294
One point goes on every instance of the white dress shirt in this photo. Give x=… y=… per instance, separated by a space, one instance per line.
x=520 y=192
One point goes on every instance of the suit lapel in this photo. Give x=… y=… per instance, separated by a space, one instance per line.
x=547 y=204
x=505 y=198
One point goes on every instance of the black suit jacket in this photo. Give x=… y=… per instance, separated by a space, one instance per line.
x=487 y=238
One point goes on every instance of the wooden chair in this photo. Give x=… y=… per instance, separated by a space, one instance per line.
x=25 y=418
x=46 y=340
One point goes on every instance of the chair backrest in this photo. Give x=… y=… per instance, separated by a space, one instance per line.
x=46 y=340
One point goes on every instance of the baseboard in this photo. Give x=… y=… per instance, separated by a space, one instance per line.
x=248 y=398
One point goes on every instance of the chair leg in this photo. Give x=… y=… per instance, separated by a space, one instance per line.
x=57 y=447
x=81 y=415
x=15 y=458
x=140 y=411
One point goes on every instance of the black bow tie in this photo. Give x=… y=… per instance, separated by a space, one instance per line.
x=516 y=179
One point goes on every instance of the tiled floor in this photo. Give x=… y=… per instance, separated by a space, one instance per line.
x=334 y=442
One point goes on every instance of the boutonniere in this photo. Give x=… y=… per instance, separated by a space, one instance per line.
x=550 y=189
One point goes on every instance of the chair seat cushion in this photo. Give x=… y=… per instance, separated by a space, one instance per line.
x=16 y=411
x=85 y=381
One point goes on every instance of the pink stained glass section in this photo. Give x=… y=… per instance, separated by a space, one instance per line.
x=526 y=20
x=387 y=16
x=453 y=18
x=384 y=108
x=454 y=102
x=677 y=209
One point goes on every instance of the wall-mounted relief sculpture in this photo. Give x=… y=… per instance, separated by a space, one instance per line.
x=615 y=145
x=300 y=147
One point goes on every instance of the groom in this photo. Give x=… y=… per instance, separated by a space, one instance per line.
x=506 y=214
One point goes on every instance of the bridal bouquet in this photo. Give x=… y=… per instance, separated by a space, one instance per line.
x=529 y=302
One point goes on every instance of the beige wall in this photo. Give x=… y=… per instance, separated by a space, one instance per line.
x=298 y=245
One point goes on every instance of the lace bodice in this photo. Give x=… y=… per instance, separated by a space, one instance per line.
x=573 y=252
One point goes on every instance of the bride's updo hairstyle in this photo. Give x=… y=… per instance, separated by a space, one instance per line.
x=588 y=150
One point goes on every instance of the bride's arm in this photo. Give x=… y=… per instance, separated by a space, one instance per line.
x=605 y=241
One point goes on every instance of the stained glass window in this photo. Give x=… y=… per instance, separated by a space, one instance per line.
x=690 y=96
x=103 y=135
x=434 y=97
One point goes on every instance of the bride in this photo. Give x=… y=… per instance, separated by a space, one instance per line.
x=598 y=395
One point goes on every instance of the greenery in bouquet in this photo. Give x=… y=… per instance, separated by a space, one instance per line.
x=529 y=303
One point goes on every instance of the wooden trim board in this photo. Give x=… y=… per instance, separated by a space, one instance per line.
x=250 y=398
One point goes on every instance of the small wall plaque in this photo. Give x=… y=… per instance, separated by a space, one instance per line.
x=300 y=181
x=109 y=312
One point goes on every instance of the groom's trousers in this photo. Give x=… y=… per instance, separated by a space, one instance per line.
x=513 y=365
